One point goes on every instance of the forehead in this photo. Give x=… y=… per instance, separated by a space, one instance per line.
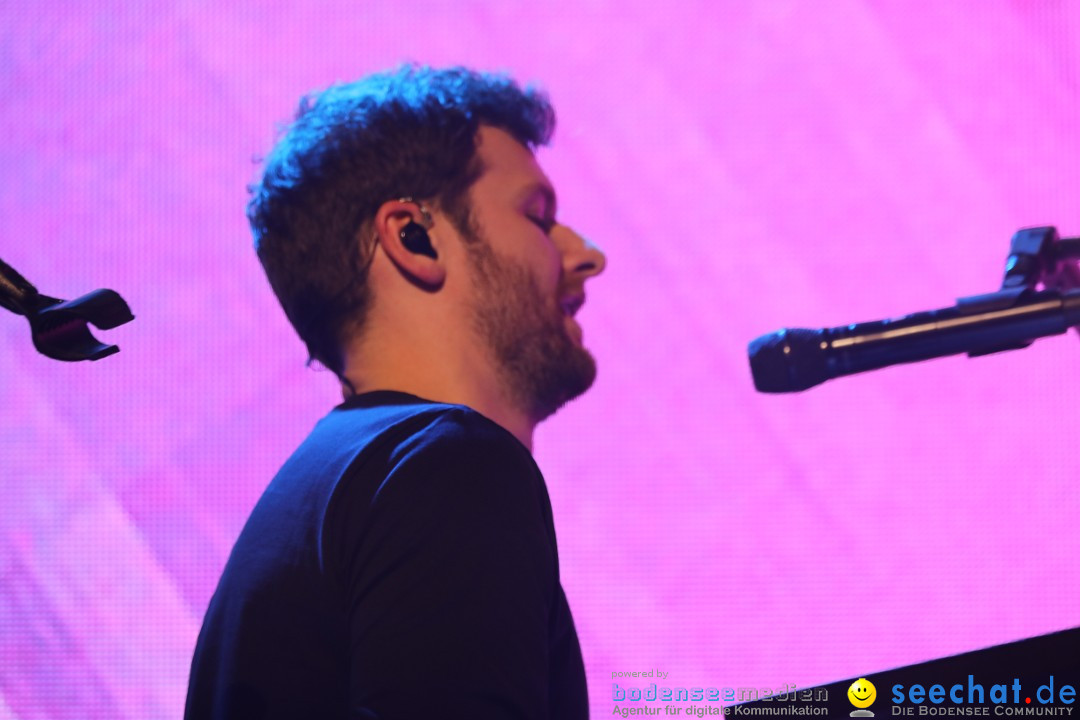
x=510 y=168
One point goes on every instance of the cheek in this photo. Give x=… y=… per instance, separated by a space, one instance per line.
x=556 y=278
x=529 y=246
x=546 y=262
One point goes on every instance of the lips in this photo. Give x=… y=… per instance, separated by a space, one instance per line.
x=570 y=305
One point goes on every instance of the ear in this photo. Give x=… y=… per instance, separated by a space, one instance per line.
x=390 y=220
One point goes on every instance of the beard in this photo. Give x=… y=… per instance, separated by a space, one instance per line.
x=540 y=366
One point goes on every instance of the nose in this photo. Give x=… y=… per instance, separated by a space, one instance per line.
x=580 y=256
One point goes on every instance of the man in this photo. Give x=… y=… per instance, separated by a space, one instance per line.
x=403 y=564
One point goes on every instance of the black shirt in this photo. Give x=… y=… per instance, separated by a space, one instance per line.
x=402 y=564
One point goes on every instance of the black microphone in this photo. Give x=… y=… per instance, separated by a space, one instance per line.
x=791 y=360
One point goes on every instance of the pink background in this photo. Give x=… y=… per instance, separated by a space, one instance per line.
x=746 y=166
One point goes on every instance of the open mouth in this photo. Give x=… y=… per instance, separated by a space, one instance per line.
x=571 y=305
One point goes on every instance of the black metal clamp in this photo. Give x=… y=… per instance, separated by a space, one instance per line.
x=59 y=327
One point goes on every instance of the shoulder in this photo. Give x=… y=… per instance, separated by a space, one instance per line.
x=373 y=434
x=434 y=460
x=454 y=457
x=454 y=436
x=449 y=490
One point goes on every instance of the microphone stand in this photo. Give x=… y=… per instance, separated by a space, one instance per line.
x=1037 y=256
x=59 y=326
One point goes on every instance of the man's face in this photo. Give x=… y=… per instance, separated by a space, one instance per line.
x=529 y=274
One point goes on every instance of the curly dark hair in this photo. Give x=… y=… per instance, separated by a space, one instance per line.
x=409 y=132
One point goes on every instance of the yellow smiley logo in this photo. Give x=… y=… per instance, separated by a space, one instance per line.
x=862 y=693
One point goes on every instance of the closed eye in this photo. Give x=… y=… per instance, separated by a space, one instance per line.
x=546 y=225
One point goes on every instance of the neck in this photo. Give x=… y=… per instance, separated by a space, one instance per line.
x=445 y=381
